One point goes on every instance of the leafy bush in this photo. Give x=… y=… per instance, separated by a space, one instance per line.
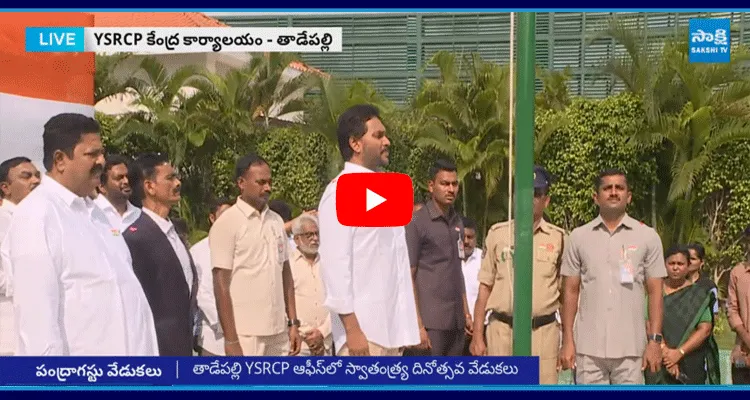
x=298 y=163
x=596 y=138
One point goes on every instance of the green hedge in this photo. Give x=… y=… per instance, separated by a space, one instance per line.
x=298 y=163
x=596 y=138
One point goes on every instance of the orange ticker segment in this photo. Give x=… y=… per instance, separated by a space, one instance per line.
x=66 y=77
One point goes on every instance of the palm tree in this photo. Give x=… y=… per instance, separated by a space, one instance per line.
x=274 y=94
x=165 y=109
x=106 y=81
x=550 y=104
x=694 y=108
x=334 y=97
x=467 y=119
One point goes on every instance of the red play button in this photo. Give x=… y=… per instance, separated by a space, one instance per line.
x=375 y=199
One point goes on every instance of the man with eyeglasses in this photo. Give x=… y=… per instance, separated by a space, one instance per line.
x=496 y=276
x=315 y=319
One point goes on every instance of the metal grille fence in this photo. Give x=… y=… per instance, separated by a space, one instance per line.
x=391 y=50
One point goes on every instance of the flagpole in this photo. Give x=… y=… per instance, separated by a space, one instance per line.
x=523 y=219
x=511 y=115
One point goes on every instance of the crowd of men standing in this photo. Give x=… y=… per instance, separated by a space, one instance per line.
x=92 y=264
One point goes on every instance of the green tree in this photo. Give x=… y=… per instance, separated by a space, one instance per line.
x=298 y=178
x=593 y=140
x=691 y=109
x=467 y=120
x=726 y=192
x=106 y=81
x=333 y=97
x=275 y=94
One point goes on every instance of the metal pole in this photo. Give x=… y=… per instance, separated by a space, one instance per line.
x=511 y=118
x=523 y=252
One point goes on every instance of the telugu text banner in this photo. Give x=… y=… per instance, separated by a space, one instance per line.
x=269 y=371
x=184 y=40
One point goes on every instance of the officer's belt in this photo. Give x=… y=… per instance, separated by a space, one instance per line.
x=536 y=322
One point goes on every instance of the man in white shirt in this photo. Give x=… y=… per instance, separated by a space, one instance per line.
x=470 y=266
x=365 y=271
x=309 y=292
x=115 y=190
x=74 y=292
x=161 y=260
x=18 y=177
x=211 y=338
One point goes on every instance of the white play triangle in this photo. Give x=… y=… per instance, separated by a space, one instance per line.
x=373 y=200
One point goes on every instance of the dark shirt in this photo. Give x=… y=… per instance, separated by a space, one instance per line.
x=708 y=284
x=433 y=240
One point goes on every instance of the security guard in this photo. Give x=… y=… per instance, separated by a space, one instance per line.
x=496 y=288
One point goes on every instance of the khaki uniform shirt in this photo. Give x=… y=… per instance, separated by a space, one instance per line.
x=609 y=322
x=497 y=268
x=254 y=247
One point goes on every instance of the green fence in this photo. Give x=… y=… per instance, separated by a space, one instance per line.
x=392 y=49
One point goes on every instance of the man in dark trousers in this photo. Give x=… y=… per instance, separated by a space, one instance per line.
x=436 y=250
x=160 y=257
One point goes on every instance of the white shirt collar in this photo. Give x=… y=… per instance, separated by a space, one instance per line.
x=105 y=204
x=352 y=167
x=164 y=224
x=8 y=206
x=297 y=254
x=477 y=253
x=61 y=191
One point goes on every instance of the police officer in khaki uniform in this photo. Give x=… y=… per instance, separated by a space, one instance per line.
x=496 y=288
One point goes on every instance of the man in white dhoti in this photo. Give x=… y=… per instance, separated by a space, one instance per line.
x=74 y=290
x=18 y=177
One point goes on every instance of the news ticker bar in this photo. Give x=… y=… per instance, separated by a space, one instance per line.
x=182 y=40
x=172 y=371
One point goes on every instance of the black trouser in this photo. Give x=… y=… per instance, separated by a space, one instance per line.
x=467 y=345
x=536 y=322
x=740 y=376
x=444 y=343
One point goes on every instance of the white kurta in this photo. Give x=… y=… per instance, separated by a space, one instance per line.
x=74 y=290
x=211 y=335
x=470 y=268
x=366 y=271
x=116 y=220
x=7 y=321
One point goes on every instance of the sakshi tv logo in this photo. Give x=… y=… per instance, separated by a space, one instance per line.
x=709 y=40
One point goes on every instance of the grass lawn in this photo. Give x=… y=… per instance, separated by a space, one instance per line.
x=723 y=333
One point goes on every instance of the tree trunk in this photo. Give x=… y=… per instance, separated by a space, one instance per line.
x=653 y=206
x=687 y=208
x=464 y=198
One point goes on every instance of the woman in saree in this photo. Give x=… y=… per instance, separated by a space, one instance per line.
x=696 y=275
x=689 y=352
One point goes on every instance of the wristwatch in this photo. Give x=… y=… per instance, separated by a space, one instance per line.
x=656 y=337
x=293 y=322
